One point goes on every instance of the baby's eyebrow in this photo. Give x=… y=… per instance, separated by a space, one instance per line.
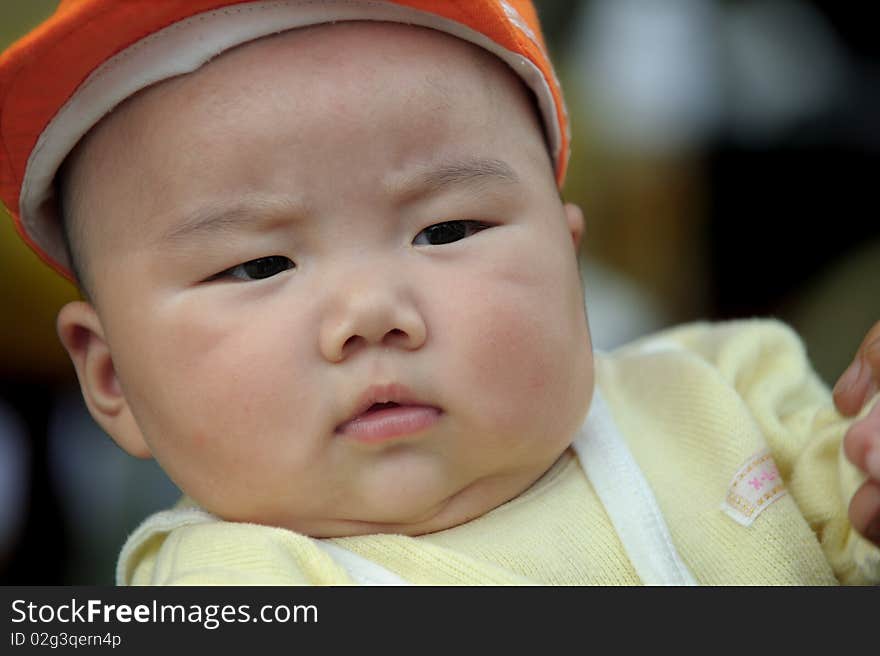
x=260 y=212
x=475 y=171
x=253 y=213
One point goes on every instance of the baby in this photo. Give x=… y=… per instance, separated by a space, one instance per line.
x=331 y=287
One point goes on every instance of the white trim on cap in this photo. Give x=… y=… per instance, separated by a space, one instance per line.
x=188 y=44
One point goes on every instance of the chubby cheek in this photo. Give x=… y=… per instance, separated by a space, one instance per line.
x=524 y=349
x=219 y=397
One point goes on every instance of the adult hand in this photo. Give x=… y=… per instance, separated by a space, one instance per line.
x=861 y=444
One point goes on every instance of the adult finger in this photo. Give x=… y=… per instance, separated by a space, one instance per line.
x=864 y=511
x=861 y=444
x=861 y=380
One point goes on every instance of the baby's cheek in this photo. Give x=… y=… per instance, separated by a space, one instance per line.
x=518 y=361
x=222 y=391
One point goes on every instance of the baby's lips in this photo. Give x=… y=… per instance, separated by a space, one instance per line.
x=376 y=395
x=390 y=423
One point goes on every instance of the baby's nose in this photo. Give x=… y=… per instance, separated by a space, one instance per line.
x=374 y=317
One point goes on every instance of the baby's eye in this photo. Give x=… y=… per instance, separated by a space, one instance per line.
x=262 y=267
x=448 y=232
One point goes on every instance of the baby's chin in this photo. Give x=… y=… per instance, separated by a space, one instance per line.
x=413 y=516
x=342 y=528
x=427 y=521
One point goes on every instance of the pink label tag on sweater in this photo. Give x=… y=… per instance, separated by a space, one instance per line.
x=754 y=487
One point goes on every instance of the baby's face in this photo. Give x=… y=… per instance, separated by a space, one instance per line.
x=323 y=221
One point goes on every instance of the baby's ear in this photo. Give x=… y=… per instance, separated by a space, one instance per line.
x=82 y=334
x=575 y=218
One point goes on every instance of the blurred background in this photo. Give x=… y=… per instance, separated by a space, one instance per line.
x=722 y=153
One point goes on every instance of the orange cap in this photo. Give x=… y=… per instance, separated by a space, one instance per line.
x=61 y=79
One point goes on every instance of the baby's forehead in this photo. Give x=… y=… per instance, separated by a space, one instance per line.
x=328 y=61
x=331 y=69
x=448 y=97
x=328 y=46
x=377 y=56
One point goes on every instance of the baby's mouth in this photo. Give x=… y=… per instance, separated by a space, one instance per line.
x=377 y=407
x=378 y=419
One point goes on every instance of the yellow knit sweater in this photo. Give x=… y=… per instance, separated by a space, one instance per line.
x=693 y=403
